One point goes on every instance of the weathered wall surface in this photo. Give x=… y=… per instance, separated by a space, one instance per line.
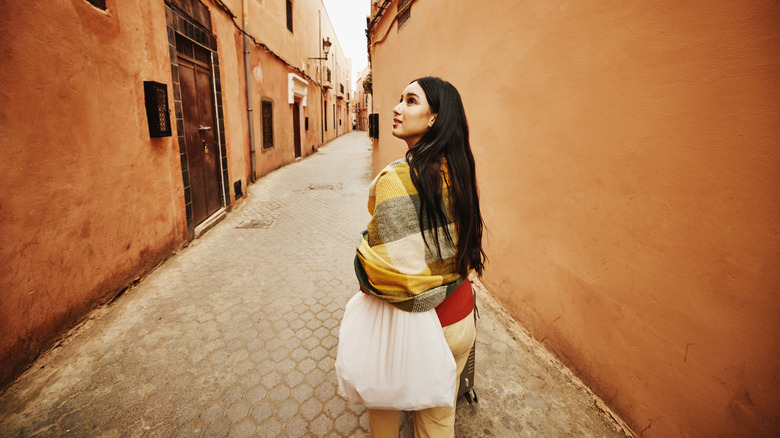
x=627 y=156
x=91 y=201
x=230 y=47
x=290 y=52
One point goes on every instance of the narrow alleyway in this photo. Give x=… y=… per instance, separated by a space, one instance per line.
x=236 y=335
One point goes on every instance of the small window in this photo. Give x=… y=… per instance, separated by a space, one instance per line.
x=325 y=112
x=289 y=16
x=334 y=116
x=100 y=4
x=268 y=124
x=404 y=12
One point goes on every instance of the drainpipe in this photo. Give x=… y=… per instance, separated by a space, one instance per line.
x=322 y=95
x=249 y=111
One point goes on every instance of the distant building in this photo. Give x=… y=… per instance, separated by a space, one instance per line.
x=362 y=100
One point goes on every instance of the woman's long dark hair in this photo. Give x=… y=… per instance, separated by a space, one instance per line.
x=448 y=138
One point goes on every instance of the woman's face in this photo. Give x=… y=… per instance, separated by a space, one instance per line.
x=412 y=116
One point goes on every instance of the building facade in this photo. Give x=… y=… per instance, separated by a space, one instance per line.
x=627 y=160
x=362 y=99
x=143 y=127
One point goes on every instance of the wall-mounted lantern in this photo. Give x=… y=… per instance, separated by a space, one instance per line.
x=157 y=113
x=326 y=49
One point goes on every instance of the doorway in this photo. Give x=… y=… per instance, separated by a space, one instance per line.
x=194 y=66
x=297 y=129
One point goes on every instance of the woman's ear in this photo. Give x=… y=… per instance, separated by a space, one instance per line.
x=433 y=119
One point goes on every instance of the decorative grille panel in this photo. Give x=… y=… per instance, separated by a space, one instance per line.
x=268 y=125
x=157 y=113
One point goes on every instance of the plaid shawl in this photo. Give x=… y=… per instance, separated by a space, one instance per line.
x=393 y=263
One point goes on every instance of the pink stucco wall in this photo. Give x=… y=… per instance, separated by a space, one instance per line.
x=628 y=164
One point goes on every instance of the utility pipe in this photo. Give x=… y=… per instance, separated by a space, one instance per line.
x=322 y=95
x=249 y=110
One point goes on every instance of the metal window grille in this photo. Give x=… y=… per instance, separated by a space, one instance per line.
x=203 y=56
x=289 y=16
x=268 y=124
x=157 y=112
x=185 y=47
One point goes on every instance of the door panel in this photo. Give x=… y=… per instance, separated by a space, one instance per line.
x=297 y=129
x=189 y=103
x=199 y=131
x=207 y=137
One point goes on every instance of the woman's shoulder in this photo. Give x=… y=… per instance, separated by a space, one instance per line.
x=395 y=172
x=394 y=181
x=399 y=165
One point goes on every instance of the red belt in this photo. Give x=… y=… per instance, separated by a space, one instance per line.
x=456 y=307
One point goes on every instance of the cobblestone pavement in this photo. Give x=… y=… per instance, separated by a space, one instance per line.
x=236 y=335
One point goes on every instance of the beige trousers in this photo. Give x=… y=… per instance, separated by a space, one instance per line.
x=433 y=422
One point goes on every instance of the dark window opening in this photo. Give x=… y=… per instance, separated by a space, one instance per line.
x=307 y=123
x=268 y=124
x=325 y=112
x=289 y=16
x=100 y=4
x=373 y=125
x=334 y=116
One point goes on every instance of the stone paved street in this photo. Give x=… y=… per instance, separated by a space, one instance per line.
x=236 y=335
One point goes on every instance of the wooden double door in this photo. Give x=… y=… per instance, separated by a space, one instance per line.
x=200 y=128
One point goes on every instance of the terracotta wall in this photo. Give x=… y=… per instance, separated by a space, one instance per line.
x=628 y=163
x=230 y=47
x=91 y=202
x=282 y=52
x=79 y=156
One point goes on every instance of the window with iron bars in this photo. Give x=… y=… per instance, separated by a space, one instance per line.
x=268 y=124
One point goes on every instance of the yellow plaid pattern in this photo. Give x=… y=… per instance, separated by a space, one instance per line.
x=393 y=262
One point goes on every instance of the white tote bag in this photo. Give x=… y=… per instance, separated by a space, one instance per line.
x=391 y=359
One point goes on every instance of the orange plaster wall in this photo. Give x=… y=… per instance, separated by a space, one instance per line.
x=628 y=162
x=274 y=86
x=91 y=202
x=269 y=79
x=232 y=79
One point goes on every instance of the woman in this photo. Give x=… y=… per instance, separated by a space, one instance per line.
x=425 y=234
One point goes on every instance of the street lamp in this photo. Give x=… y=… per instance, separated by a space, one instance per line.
x=325 y=48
